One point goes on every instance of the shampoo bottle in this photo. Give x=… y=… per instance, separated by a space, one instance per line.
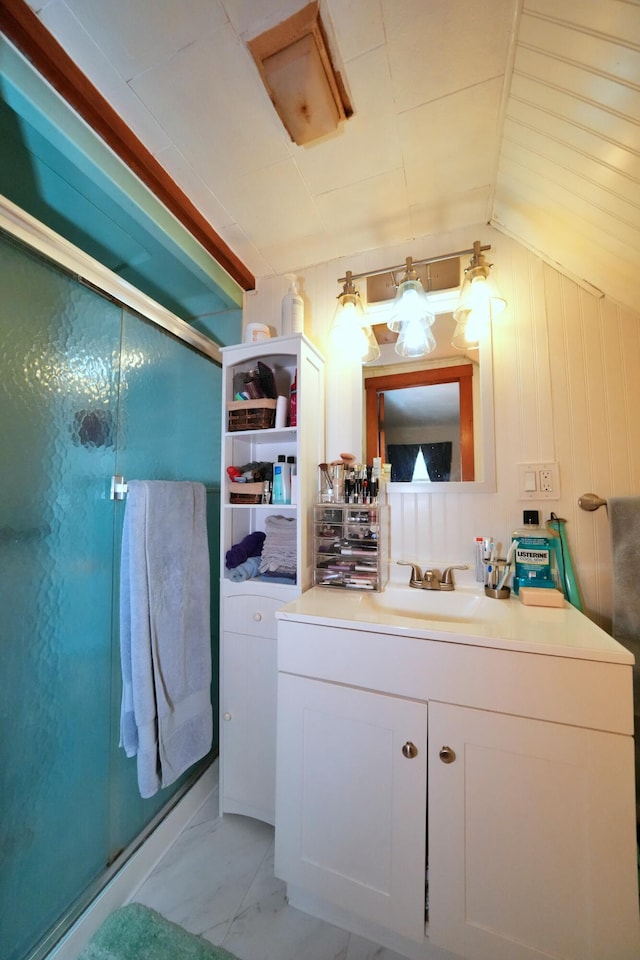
x=278 y=485
x=292 y=309
x=281 y=481
x=534 y=554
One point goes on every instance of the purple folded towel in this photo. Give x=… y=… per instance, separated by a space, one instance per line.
x=251 y=546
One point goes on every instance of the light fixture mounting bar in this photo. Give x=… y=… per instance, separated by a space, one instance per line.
x=415 y=263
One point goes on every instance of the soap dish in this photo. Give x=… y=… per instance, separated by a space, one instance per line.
x=502 y=594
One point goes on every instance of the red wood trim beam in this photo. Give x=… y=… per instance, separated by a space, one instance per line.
x=24 y=29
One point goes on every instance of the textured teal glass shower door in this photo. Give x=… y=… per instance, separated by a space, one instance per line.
x=59 y=392
x=87 y=390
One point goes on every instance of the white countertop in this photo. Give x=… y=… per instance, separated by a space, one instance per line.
x=476 y=619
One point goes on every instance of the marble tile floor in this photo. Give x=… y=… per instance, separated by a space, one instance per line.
x=217 y=880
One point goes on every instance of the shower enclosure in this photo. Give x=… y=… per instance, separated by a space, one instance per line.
x=88 y=390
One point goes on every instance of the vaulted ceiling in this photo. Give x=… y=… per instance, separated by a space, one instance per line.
x=522 y=113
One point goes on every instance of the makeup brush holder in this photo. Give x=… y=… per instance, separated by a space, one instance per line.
x=327 y=490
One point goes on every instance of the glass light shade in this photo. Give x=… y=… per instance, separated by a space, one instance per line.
x=350 y=333
x=410 y=303
x=479 y=294
x=415 y=339
x=469 y=328
x=372 y=347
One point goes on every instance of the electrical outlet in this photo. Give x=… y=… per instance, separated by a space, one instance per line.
x=546 y=481
x=538 y=481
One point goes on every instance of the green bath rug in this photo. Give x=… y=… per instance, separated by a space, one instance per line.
x=135 y=932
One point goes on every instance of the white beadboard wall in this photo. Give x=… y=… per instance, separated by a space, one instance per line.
x=566 y=389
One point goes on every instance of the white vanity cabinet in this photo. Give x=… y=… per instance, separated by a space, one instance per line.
x=506 y=777
x=247 y=608
x=353 y=764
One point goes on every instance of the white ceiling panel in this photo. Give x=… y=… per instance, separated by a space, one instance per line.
x=276 y=201
x=210 y=102
x=358 y=26
x=373 y=213
x=194 y=187
x=442 y=214
x=438 y=48
x=139 y=36
x=447 y=160
x=95 y=62
x=365 y=146
x=525 y=113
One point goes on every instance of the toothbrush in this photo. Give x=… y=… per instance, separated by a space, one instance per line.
x=507 y=564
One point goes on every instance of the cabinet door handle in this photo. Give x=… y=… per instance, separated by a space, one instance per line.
x=447 y=755
x=409 y=750
x=257 y=616
x=226 y=716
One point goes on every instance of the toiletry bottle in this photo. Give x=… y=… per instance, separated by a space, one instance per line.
x=278 y=485
x=534 y=554
x=292 y=309
x=567 y=575
x=293 y=479
x=293 y=402
x=285 y=474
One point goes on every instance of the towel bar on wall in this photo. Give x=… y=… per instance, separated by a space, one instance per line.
x=591 y=501
x=119 y=488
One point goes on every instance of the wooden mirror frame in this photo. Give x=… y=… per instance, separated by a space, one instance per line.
x=375 y=388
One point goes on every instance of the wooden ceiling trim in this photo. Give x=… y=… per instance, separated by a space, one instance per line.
x=24 y=29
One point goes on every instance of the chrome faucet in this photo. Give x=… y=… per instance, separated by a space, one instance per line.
x=431 y=579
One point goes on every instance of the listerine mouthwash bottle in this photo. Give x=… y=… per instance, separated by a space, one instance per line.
x=534 y=554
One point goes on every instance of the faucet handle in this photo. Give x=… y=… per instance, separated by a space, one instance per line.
x=431 y=579
x=415 y=580
x=447 y=577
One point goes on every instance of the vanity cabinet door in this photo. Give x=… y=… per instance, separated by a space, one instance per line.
x=351 y=800
x=531 y=840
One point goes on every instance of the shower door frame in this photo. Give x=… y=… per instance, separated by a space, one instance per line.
x=24 y=227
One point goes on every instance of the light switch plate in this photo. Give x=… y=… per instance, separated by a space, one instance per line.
x=538 y=481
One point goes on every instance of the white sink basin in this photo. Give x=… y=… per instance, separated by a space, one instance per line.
x=462 y=605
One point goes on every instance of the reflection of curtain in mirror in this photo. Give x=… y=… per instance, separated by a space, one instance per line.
x=437 y=457
x=403 y=456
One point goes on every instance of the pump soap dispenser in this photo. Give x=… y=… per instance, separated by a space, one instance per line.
x=292 y=309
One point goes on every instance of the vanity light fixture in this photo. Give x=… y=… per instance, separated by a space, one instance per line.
x=411 y=316
x=479 y=301
x=349 y=331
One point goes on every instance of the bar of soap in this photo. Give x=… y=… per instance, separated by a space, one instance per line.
x=541 y=597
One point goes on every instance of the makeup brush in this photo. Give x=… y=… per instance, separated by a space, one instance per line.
x=324 y=468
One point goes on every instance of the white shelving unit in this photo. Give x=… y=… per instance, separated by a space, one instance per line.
x=247 y=608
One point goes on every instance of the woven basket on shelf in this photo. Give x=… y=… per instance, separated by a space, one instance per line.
x=251 y=414
x=245 y=493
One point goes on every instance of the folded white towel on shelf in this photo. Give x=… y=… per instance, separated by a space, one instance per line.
x=279 y=548
x=166 y=715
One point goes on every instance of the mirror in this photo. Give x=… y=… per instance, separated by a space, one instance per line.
x=420 y=407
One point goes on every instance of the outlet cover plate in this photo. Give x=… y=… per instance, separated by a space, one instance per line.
x=547 y=481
